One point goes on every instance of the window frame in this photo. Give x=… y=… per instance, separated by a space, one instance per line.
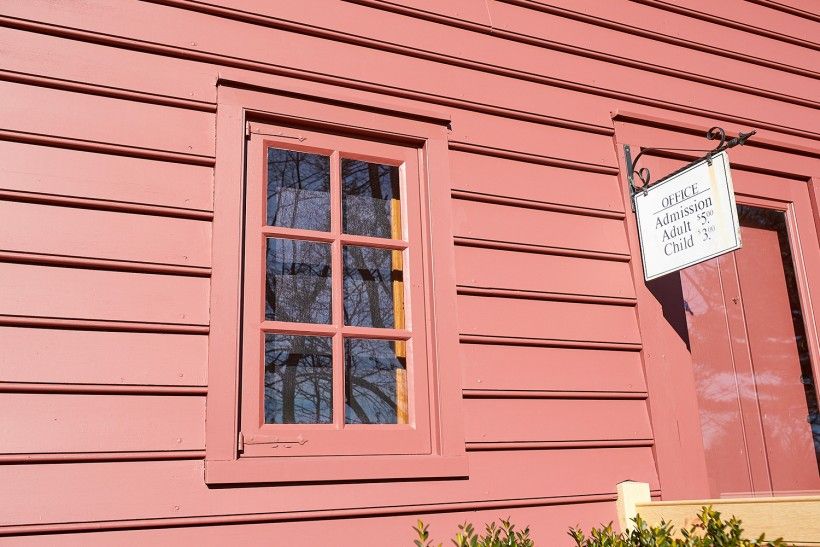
x=312 y=439
x=357 y=115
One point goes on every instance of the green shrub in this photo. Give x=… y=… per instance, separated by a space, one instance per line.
x=709 y=531
x=494 y=536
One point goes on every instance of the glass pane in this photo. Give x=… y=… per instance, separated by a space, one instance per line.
x=785 y=385
x=757 y=396
x=298 y=190
x=297 y=284
x=373 y=287
x=298 y=380
x=375 y=381
x=370 y=197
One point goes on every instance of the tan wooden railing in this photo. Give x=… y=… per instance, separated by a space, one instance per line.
x=794 y=518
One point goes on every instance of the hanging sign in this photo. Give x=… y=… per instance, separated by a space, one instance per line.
x=688 y=217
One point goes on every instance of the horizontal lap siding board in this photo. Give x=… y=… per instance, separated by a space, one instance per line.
x=303 y=52
x=40 y=110
x=176 y=489
x=626 y=46
x=383 y=531
x=754 y=16
x=50 y=356
x=463 y=10
x=489 y=420
x=488 y=175
x=486 y=48
x=802 y=5
x=532 y=368
x=104 y=234
x=511 y=224
x=661 y=24
x=531 y=138
x=507 y=16
x=50 y=171
x=75 y=61
x=560 y=275
x=474 y=86
x=546 y=320
x=379 y=531
x=75 y=293
x=66 y=423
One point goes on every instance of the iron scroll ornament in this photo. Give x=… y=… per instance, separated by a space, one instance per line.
x=644 y=175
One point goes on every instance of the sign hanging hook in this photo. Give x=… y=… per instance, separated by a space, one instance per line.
x=714 y=133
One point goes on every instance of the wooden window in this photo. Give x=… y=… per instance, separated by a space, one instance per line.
x=333 y=347
x=332 y=252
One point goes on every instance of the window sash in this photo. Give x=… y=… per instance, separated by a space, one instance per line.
x=338 y=438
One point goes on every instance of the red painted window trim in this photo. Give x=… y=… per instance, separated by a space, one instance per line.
x=324 y=108
x=310 y=440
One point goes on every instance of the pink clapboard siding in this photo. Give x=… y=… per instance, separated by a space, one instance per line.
x=476 y=220
x=59 y=423
x=35 y=109
x=98 y=234
x=383 y=530
x=542 y=273
x=538 y=185
x=106 y=181
x=550 y=320
x=107 y=155
x=63 y=356
x=550 y=369
x=74 y=293
x=175 y=488
x=510 y=421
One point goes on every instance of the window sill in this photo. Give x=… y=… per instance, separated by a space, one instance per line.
x=333 y=468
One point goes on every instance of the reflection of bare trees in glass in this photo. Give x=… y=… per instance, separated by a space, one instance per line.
x=368 y=190
x=298 y=190
x=371 y=390
x=368 y=287
x=298 y=379
x=297 y=284
x=298 y=369
x=375 y=370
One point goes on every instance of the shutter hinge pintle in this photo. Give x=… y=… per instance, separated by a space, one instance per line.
x=241 y=442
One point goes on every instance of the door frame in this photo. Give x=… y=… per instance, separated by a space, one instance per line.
x=673 y=406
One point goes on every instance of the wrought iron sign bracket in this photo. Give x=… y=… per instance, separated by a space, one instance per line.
x=645 y=176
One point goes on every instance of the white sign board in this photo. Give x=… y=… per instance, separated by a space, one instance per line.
x=687 y=218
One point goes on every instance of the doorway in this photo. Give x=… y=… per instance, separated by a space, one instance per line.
x=746 y=317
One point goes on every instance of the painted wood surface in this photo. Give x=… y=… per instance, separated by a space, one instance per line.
x=63 y=356
x=105 y=181
x=510 y=421
x=59 y=423
x=36 y=109
x=487 y=269
x=537 y=184
x=102 y=234
x=107 y=154
x=75 y=293
x=382 y=530
x=165 y=485
x=563 y=370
